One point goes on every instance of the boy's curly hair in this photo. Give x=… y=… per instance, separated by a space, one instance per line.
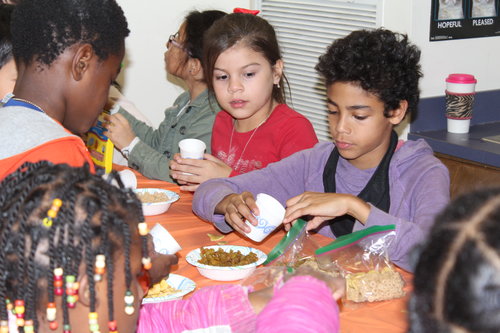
x=380 y=61
x=43 y=29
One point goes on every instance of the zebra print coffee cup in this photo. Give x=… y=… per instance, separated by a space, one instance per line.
x=460 y=91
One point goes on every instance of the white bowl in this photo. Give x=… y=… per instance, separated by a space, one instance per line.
x=220 y=273
x=155 y=208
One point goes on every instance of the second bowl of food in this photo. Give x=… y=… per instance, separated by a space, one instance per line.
x=155 y=200
x=226 y=262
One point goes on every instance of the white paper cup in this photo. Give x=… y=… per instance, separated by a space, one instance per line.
x=458 y=125
x=271 y=216
x=163 y=241
x=128 y=178
x=192 y=148
x=460 y=91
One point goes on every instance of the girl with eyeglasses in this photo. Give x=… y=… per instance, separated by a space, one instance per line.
x=192 y=114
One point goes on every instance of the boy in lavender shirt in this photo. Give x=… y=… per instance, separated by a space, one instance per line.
x=366 y=176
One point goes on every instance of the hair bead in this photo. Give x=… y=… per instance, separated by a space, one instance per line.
x=53 y=325
x=93 y=322
x=52 y=212
x=58 y=281
x=146 y=263
x=113 y=327
x=51 y=311
x=66 y=328
x=29 y=326
x=9 y=305
x=143 y=229
x=4 y=326
x=71 y=291
x=19 y=308
x=129 y=302
x=20 y=322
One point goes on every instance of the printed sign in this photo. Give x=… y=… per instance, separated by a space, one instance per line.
x=458 y=19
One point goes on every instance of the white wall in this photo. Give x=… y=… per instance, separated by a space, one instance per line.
x=477 y=56
x=144 y=79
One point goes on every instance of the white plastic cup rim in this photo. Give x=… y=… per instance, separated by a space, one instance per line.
x=458 y=125
x=192 y=148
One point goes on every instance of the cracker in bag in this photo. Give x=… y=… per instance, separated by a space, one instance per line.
x=362 y=257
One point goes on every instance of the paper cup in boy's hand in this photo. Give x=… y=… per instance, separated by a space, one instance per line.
x=271 y=216
x=192 y=148
x=163 y=241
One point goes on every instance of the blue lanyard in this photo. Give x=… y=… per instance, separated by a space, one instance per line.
x=15 y=102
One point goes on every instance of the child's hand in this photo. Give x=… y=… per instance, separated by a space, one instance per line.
x=119 y=130
x=198 y=170
x=324 y=206
x=237 y=208
x=161 y=264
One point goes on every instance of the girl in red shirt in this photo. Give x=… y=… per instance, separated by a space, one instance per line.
x=244 y=70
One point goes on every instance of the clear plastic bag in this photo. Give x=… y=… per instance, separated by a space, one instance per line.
x=363 y=260
x=296 y=249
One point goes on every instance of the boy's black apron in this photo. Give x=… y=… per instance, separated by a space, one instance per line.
x=375 y=192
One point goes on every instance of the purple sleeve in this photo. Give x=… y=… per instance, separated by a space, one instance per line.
x=284 y=179
x=428 y=196
x=303 y=304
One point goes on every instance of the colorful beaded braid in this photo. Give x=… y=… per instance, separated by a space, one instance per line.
x=69 y=238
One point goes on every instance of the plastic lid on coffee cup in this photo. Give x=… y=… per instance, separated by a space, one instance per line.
x=461 y=78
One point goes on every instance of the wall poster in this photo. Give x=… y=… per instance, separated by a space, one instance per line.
x=457 y=19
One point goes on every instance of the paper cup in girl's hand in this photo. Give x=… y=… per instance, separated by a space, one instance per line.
x=192 y=148
x=271 y=216
x=163 y=241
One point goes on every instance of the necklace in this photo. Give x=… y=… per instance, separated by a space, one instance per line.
x=248 y=141
x=31 y=105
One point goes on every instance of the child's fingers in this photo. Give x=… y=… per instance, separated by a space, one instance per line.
x=315 y=222
x=294 y=212
x=189 y=188
x=292 y=201
x=240 y=226
x=176 y=157
x=212 y=158
x=249 y=200
x=118 y=118
x=238 y=211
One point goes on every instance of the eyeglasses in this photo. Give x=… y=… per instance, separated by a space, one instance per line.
x=172 y=40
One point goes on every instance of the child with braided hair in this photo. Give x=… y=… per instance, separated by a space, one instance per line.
x=71 y=251
x=456 y=283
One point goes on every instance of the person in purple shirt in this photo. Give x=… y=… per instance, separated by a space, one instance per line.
x=366 y=176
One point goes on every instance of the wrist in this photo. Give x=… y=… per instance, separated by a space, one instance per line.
x=359 y=209
x=222 y=205
x=128 y=149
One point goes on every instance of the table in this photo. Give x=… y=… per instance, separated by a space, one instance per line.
x=191 y=233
